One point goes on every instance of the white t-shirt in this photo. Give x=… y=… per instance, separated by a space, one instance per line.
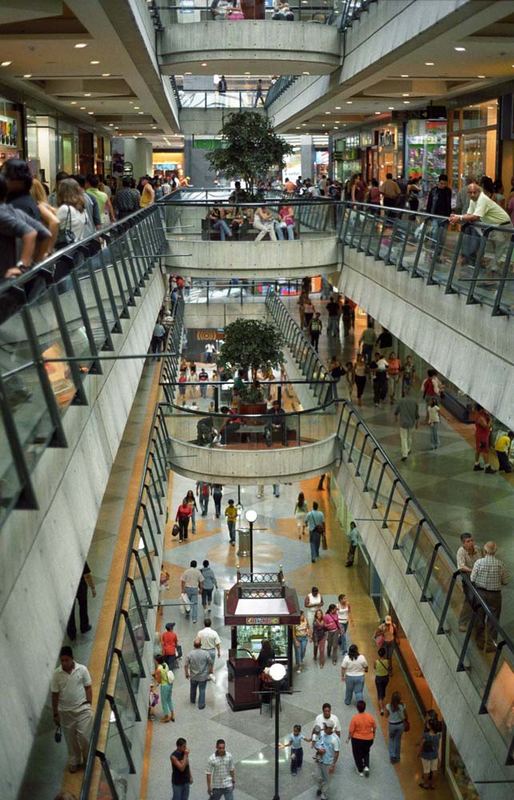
x=209 y=638
x=354 y=667
x=433 y=414
x=382 y=365
x=488 y=211
x=70 y=218
x=343 y=613
x=321 y=720
x=192 y=577
x=314 y=601
x=71 y=687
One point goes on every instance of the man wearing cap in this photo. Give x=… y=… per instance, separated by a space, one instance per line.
x=327 y=747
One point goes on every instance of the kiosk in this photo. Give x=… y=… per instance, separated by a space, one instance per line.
x=259 y=606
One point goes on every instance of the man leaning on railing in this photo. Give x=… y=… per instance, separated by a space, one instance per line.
x=482 y=209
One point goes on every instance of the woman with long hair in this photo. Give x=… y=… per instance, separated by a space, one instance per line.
x=300 y=510
x=71 y=208
x=333 y=629
x=360 y=376
x=48 y=216
x=301 y=636
x=319 y=637
x=396 y=713
x=191 y=501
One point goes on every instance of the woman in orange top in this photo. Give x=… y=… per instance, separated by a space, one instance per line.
x=393 y=375
x=362 y=735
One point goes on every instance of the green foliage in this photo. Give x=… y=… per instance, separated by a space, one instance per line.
x=251 y=344
x=251 y=148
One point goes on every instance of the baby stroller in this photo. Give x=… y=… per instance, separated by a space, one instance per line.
x=206 y=433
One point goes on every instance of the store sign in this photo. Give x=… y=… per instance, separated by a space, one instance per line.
x=207 y=335
x=262 y=621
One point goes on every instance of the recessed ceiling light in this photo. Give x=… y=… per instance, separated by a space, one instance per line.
x=378 y=112
x=116 y=127
x=94 y=62
x=5 y=63
x=190 y=73
x=391 y=108
x=322 y=124
x=154 y=127
x=304 y=124
x=140 y=134
x=82 y=108
x=405 y=94
x=460 y=49
x=247 y=73
x=141 y=112
x=73 y=103
x=306 y=73
x=204 y=63
x=28 y=75
x=90 y=112
x=406 y=102
x=337 y=108
x=87 y=94
x=297 y=127
x=336 y=128
x=404 y=76
x=136 y=108
x=429 y=63
x=349 y=102
x=328 y=112
x=480 y=76
x=80 y=45
x=106 y=74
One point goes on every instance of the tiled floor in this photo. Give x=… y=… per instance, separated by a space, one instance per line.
x=456 y=498
x=250 y=735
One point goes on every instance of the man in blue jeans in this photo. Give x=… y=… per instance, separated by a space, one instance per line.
x=198 y=667
x=221 y=773
x=315 y=521
x=191 y=583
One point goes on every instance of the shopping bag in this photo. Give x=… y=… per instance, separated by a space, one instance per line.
x=217 y=597
x=186 y=605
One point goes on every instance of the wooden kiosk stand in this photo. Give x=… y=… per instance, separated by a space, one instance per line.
x=259 y=606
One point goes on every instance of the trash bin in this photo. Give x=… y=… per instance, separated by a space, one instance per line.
x=244 y=542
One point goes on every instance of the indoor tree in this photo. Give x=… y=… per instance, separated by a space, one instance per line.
x=250 y=148
x=251 y=344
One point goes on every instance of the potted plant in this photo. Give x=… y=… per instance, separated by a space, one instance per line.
x=251 y=345
x=250 y=148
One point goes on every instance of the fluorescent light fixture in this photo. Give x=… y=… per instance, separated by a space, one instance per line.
x=106 y=74
x=90 y=112
x=28 y=75
x=404 y=76
x=429 y=64
x=87 y=94
x=80 y=45
x=460 y=49
x=94 y=61
x=406 y=102
x=5 y=63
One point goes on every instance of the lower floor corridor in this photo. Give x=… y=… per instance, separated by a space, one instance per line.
x=249 y=734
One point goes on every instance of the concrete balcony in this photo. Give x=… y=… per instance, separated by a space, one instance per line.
x=265 y=47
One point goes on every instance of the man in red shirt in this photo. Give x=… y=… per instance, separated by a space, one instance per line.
x=482 y=433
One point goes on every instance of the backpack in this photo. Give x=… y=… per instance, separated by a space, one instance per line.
x=429 y=388
x=205 y=490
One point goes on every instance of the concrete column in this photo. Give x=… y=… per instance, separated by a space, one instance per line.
x=138 y=152
x=196 y=165
x=307 y=156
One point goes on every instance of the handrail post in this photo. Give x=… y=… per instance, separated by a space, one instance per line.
x=440 y=627
x=424 y=596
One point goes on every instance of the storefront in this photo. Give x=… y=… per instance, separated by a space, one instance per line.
x=386 y=155
x=347 y=157
x=473 y=142
x=11 y=139
x=426 y=150
x=165 y=162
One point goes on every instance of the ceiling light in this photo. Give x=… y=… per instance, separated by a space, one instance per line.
x=140 y=112
x=337 y=108
x=116 y=127
x=306 y=73
x=140 y=134
x=136 y=108
x=304 y=124
x=5 y=63
x=80 y=45
x=73 y=103
x=94 y=62
x=378 y=112
x=349 y=102
x=406 y=102
x=106 y=74
x=90 y=112
x=82 y=108
x=460 y=49
x=328 y=112
x=322 y=124
x=247 y=73
x=429 y=63
x=297 y=127
x=405 y=94
x=111 y=124
x=154 y=127
x=404 y=76
x=190 y=73
x=204 y=64
x=391 y=108
x=28 y=75
x=87 y=94
x=480 y=76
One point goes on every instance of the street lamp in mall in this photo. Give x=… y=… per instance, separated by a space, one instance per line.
x=277 y=673
x=251 y=516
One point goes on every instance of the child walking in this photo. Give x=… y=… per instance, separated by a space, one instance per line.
x=294 y=741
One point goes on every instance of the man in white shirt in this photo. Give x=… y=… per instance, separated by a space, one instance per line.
x=483 y=209
x=72 y=696
x=210 y=640
x=326 y=717
x=191 y=583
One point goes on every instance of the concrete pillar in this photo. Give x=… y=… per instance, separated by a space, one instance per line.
x=138 y=152
x=196 y=165
x=307 y=156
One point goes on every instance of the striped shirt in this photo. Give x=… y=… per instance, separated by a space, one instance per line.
x=220 y=769
x=489 y=573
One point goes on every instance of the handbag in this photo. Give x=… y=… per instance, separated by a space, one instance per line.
x=379 y=639
x=65 y=237
x=406 y=726
x=175 y=530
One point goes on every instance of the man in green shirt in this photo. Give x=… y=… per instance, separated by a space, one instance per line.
x=368 y=340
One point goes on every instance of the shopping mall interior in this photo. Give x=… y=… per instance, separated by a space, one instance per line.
x=255 y=408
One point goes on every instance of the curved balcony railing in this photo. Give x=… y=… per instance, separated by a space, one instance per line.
x=318 y=11
x=476 y=261
x=213 y=99
x=239 y=290
x=56 y=322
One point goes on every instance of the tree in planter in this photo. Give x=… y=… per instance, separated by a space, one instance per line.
x=251 y=344
x=250 y=148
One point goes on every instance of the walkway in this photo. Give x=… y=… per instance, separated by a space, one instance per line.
x=443 y=481
x=249 y=735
